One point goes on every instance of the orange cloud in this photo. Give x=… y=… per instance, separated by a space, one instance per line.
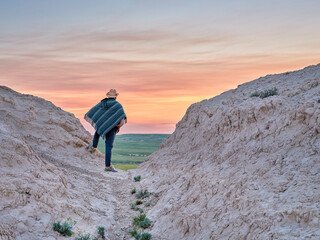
x=158 y=74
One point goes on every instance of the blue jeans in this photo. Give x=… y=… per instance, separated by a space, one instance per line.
x=110 y=136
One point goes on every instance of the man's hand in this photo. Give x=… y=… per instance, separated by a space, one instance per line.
x=121 y=123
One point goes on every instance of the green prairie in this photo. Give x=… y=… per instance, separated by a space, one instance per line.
x=133 y=149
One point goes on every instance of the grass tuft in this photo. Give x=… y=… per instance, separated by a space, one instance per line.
x=133 y=206
x=146 y=223
x=137 y=178
x=265 y=93
x=142 y=194
x=83 y=236
x=65 y=229
x=143 y=236
x=138 y=219
x=141 y=221
x=100 y=231
x=133 y=232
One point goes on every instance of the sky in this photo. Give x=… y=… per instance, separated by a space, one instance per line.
x=161 y=56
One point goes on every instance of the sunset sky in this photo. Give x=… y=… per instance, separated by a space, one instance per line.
x=160 y=55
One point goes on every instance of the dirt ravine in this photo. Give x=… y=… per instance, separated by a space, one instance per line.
x=47 y=174
x=236 y=167
x=118 y=185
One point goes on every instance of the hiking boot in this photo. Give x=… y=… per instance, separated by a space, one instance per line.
x=110 y=169
x=91 y=148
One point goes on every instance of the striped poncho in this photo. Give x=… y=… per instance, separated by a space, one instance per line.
x=105 y=116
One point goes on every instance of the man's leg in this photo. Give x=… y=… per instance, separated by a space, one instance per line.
x=95 y=140
x=110 y=136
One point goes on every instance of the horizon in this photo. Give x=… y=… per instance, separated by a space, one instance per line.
x=144 y=134
x=160 y=56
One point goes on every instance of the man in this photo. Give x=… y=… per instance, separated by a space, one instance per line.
x=107 y=117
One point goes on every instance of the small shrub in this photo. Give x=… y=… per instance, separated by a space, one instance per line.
x=137 y=178
x=133 y=232
x=83 y=236
x=265 y=93
x=255 y=94
x=138 y=219
x=142 y=194
x=139 y=202
x=133 y=206
x=100 y=231
x=64 y=229
x=147 y=204
x=145 y=236
x=146 y=223
x=56 y=226
x=138 y=236
x=133 y=191
x=141 y=221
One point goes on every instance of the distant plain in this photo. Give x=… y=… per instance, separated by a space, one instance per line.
x=129 y=150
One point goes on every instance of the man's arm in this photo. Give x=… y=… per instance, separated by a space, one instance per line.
x=122 y=122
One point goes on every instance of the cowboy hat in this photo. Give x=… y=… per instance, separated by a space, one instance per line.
x=112 y=93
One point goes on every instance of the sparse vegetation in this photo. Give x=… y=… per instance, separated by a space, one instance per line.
x=138 y=219
x=265 y=93
x=100 y=231
x=146 y=223
x=133 y=206
x=143 y=236
x=137 y=178
x=83 y=236
x=65 y=229
x=133 y=232
x=141 y=221
x=142 y=194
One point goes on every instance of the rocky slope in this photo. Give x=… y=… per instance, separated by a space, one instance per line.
x=48 y=175
x=238 y=167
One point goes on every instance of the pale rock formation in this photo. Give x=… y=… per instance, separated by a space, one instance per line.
x=47 y=174
x=235 y=168
x=238 y=167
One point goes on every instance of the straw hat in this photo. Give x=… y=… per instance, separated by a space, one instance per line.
x=112 y=93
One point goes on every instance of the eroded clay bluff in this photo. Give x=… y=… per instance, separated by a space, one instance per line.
x=47 y=174
x=242 y=168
